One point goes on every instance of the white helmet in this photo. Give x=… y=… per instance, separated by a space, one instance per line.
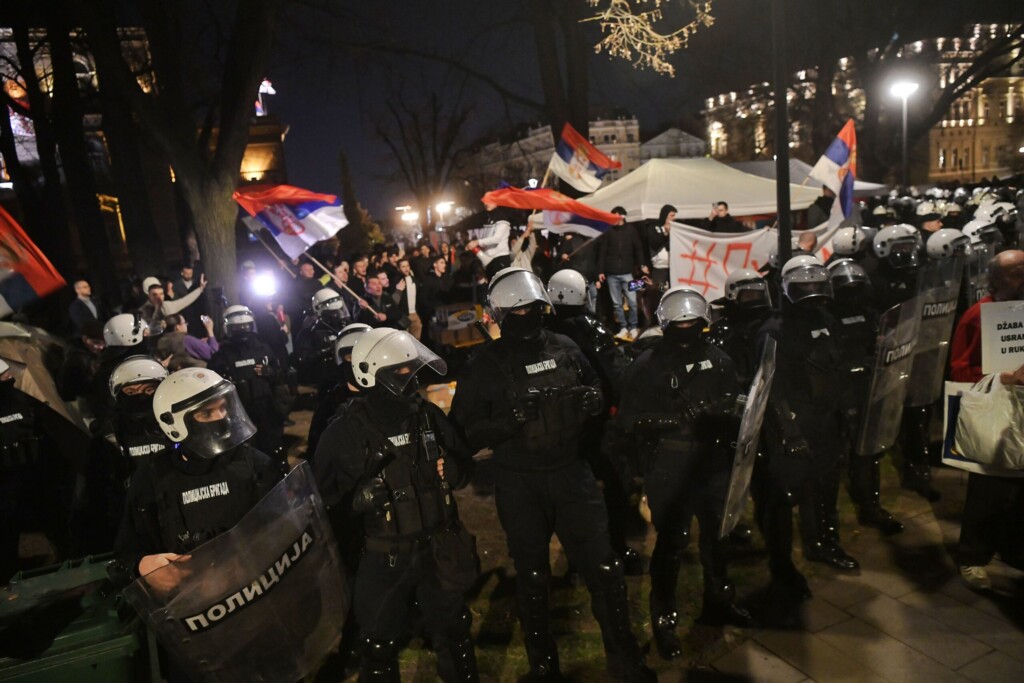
x=989 y=209
x=135 y=370
x=150 y=282
x=926 y=208
x=124 y=329
x=200 y=410
x=745 y=280
x=238 y=315
x=848 y=241
x=514 y=287
x=895 y=238
x=805 y=277
x=846 y=272
x=347 y=339
x=983 y=231
x=568 y=288
x=391 y=358
x=680 y=304
x=947 y=243
x=329 y=306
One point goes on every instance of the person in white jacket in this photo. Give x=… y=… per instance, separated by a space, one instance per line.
x=491 y=247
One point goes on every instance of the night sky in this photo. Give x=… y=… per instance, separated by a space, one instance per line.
x=331 y=95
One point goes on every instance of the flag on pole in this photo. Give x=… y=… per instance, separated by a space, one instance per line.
x=25 y=273
x=549 y=200
x=578 y=162
x=837 y=169
x=564 y=221
x=296 y=218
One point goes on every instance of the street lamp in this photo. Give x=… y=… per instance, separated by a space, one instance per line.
x=443 y=208
x=903 y=90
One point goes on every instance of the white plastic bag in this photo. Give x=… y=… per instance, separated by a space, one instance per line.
x=990 y=428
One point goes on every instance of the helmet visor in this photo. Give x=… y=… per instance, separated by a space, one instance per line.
x=806 y=282
x=753 y=293
x=515 y=289
x=216 y=421
x=680 y=306
x=904 y=253
x=397 y=363
x=847 y=274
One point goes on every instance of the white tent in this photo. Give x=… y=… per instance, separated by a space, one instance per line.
x=798 y=171
x=692 y=186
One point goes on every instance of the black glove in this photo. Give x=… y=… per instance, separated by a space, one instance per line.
x=372 y=497
x=526 y=409
x=590 y=400
x=797 y=448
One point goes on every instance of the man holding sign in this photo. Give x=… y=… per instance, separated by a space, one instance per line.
x=994 y=505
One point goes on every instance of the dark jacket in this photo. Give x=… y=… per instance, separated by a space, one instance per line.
x=619 y=251
x=80 y=315
x=723 y=224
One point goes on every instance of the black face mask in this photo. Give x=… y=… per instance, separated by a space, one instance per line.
x=522 y=326
x=215 y=433
x=412 y=388
x=683 y=336
x=7 y=386
x=139 y=406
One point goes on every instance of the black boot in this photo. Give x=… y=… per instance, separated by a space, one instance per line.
x=825 y=547
x=456 y=661
x=865 y=490
x=720 y=606
x=611 y=609
x=534 y=617
x=378 y=661
x=917 y=469
x=742 y=534
x=666 y=561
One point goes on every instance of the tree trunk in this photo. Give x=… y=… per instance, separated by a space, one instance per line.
x=124 y=143
x=214 y=214
x=78 y=170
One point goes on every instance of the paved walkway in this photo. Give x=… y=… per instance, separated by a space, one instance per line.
x=904 y=617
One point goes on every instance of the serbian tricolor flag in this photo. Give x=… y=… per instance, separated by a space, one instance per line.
x=561 y=213
x=25 y=273
x=579 y=163
x=296 y=218
x=837 y=169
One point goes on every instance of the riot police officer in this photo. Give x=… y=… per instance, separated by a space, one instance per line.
x=390 y=462
x=124 y=335
x=252 y=367
x=314 y=345
x=802 y=421
x=568 y=291
x=346 y=387
x=743 y=310
x=132 y=385
x=858 y=327
x=527 y=397
x=680 y=397
x=40 y=472
x=185 y=495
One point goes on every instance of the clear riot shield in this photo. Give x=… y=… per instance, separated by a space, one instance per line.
x=264 y=601
x=880 y=418
x=976 y=273
x=940 y=287
x=746 y=443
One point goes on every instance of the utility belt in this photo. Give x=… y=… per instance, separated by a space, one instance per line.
x=452 y=552
x=398 y=546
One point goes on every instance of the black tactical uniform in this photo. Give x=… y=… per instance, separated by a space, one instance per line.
x=735 y=333
x=378 y=461
x=175 y=505
x=858 y=330
x=802 y=426
x=314 y=355
x=527 y=396
x=39 y=474
x=260 y=394
x=680 y=398
x=610 y=362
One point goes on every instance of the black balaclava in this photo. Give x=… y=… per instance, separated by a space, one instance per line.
x=683 y=337
x=525 y=327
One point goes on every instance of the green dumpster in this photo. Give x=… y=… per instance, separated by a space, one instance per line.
x=65 y=624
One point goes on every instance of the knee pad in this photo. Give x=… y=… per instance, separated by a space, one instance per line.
x=611 y=572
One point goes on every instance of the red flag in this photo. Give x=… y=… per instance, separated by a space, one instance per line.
x=546 y=199
x=255 y=198
x=25 y=273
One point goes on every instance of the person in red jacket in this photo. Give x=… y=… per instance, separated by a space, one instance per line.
x=994 y=507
